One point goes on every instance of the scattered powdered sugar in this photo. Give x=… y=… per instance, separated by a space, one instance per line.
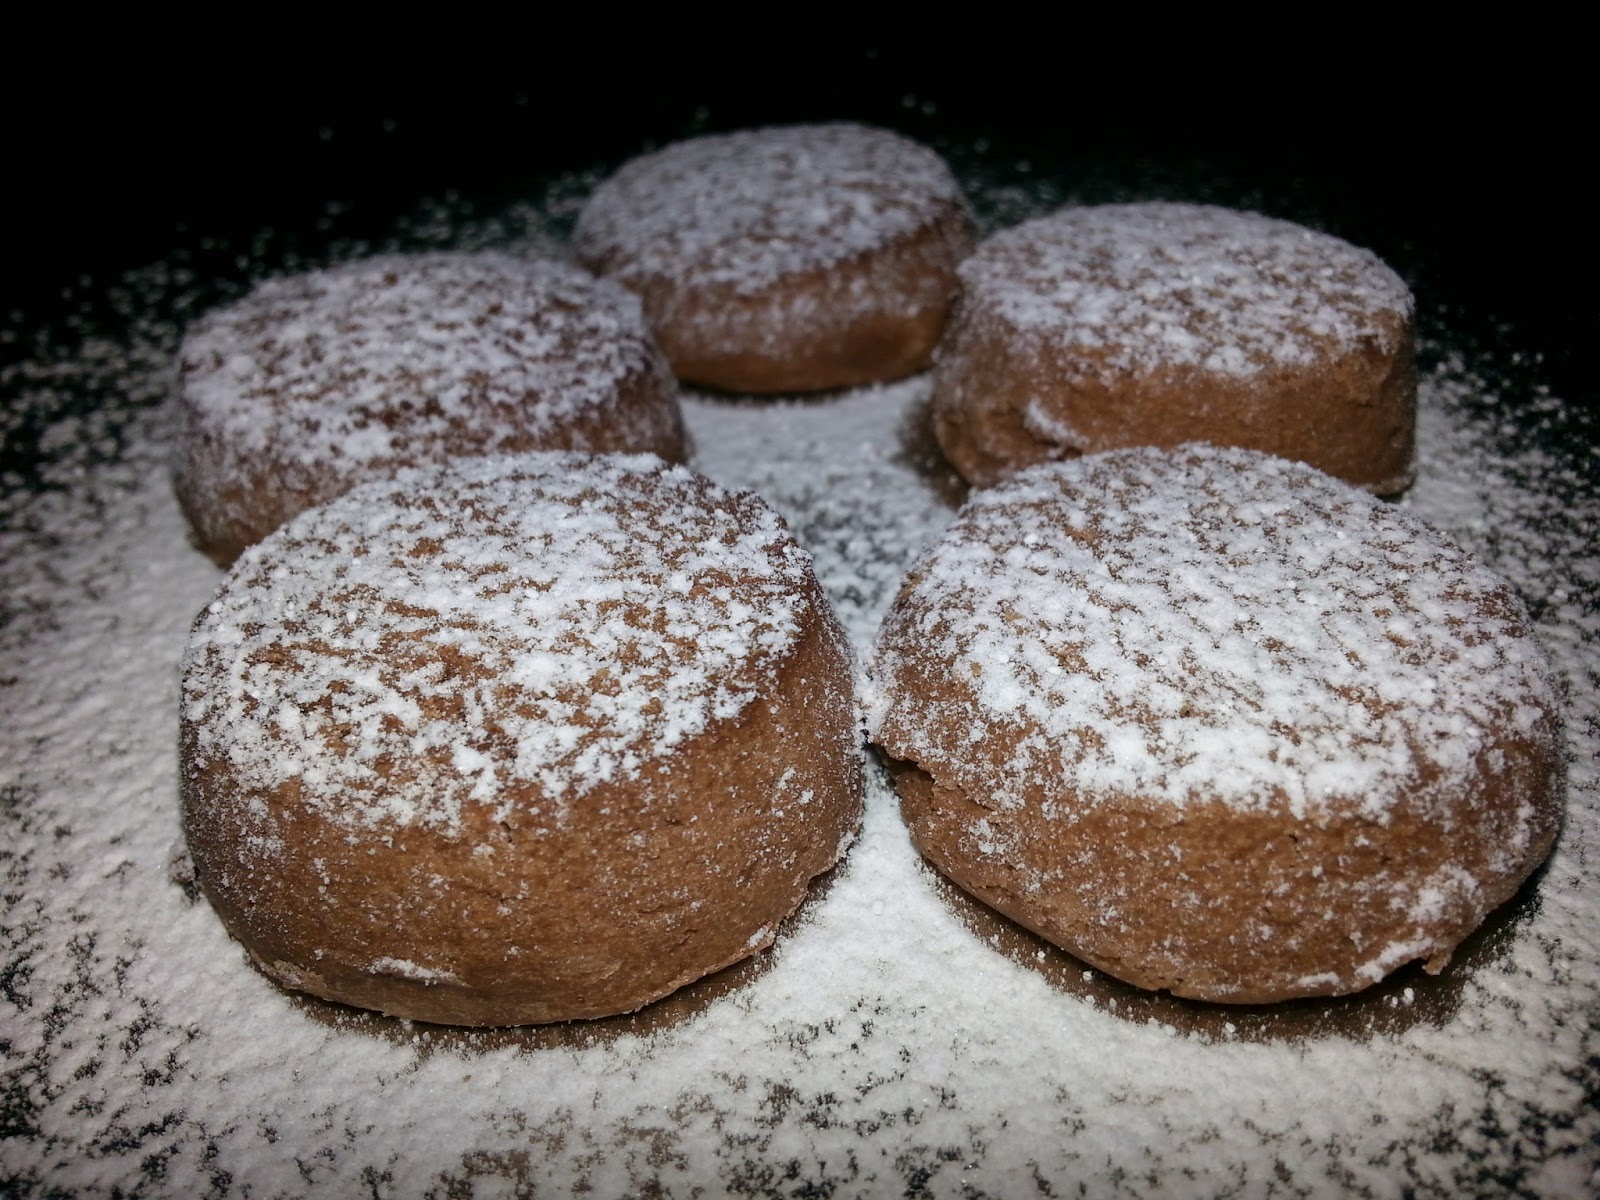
x=407 y=969
x=548 y=618
x=1144 y=287
x=747 y=209
x=1208 y=624
x=888 y=1050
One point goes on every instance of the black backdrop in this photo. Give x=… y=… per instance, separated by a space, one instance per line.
x=1466 y=168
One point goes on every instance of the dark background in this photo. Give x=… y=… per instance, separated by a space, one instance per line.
x=1465 y=168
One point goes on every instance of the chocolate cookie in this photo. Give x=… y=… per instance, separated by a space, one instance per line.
x=788 y=259
x=1218 y=723
x=314 y=383
x=1157 y=324
x=518 y=740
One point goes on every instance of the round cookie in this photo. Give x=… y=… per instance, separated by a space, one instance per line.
x=1217 y=723
x=316 y=382
x=517 y=740
x=1158 y=324
x=788 y=259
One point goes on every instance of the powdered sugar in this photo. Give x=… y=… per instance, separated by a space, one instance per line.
x=746 y=209
x=407 y=969
x=551 y=618
x=1165 y=286
x=1210 y=624
x=320 y=380
x=366 y=362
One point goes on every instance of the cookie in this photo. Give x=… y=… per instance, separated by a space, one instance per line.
x=314 y=383
x=1156 y=324
x=1217 y=723
x=518 y=740
x=788 y=259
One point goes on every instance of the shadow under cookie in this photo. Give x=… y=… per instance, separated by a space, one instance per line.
x=1409 y=997
x=671 y=1011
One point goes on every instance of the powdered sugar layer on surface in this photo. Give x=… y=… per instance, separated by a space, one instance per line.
x=1162 y=286
x=551 y=619
x=1209 y=624
x=887 y=1052
x=389 y=358
x=747 y=209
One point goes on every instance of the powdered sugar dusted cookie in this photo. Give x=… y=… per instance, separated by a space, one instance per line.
x=1157 y=324
x=314 y=383
x=1218 y=723
x=518 y=740
x=786 y=259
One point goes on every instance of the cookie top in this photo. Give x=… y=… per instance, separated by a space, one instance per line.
x=1160 y=287
x=558 y=619
x=384 y=361
x=1200 y=625
x=747 y=210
